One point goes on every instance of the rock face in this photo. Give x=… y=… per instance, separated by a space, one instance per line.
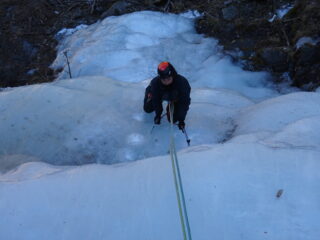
x=280 y=36
x=306 y=72
x=27 y=37
x=28 y=29
x=230 y=13
x=276 y=58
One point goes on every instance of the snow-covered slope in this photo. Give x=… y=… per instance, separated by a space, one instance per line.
x=231 y=193
x=276 y=113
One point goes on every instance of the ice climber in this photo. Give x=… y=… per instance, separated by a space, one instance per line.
x=168 y=86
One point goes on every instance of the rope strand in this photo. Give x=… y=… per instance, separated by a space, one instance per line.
x=178 y=182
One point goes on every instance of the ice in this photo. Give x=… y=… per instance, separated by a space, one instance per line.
x=305 y=40
x=11 y=161
x=87 y=119
x=191 y=14
x=95 y=116
x=281 y=12
x=69 y=31
x=125 y=50
x=99 y=119
x=135 y=139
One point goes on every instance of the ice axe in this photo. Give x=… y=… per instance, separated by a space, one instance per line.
x=186 y=135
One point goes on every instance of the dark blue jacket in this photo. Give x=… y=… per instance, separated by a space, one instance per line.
x=178 y=92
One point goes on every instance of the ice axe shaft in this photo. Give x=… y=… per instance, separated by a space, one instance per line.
x=154 y=125
x=152 y=128
x=186 y=135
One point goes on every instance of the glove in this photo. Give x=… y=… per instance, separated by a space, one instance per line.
x=181 y=125
x=149 y=97
x=157 y=120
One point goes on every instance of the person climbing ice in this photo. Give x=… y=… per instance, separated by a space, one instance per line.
x=168 y=86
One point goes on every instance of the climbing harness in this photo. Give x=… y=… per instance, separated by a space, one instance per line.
x=177 y=180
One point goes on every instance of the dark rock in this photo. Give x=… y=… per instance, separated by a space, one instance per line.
x=227 y=2
x=8 y=76
x=306 y=72
x=29 y=49
x=78 y=13
x=307 y=54
x=230 y=12
x=275 y=58
x=27 y=36
x=279 y=193
x=118 y=8
x=157 y=2
x=244 y=44
x=307 y=78
x=29 y=28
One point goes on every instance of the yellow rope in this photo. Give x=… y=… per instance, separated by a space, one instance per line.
x=178 y=182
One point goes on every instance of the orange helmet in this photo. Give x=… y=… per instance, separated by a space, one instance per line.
x=165 y=70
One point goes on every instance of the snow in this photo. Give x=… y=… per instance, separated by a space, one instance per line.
x=281 y=12
x=230 y=191
x=248 y=142
x=69 y=31
x=272 y=18
x=276 y=113
x=306 y=40
x=303 y=133
x=191 y=14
